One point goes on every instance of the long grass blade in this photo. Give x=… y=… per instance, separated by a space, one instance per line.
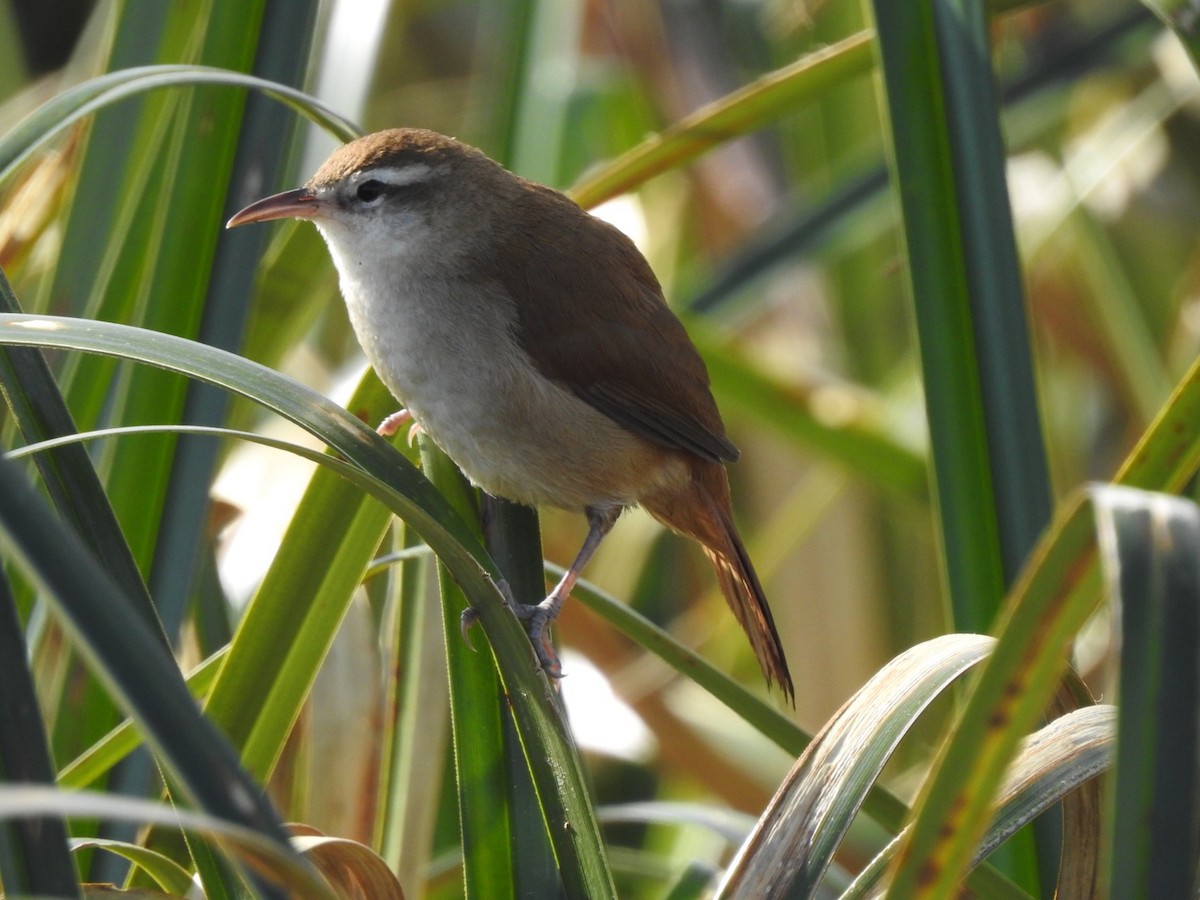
x=51 y=119
x=1057 y=593
x=486 y=816
x=128 y=656
x=1150 y=553
x=562 y=788
x=1065 y=756
x=793 y=843
x=995 y=292
x=33 y=852
x=925 y=162
x=278 y=861
x=41 y=413
x=742 y=112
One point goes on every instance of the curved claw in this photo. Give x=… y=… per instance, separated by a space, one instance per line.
x=534 y=618
x=470 y=615
x=538 y=618
x=468 y=618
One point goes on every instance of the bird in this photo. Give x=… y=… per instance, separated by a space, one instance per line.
x=531 y=341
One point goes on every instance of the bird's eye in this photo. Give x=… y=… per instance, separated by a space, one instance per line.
x=370 y=190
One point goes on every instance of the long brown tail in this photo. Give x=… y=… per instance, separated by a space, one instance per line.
x=702 y=511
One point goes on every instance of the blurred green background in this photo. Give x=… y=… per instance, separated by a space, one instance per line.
x=782 y=250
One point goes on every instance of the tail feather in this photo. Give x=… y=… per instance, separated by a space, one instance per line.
x=739 y=582
x=702 y=511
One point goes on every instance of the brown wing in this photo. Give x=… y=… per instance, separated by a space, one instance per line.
x=597 y=322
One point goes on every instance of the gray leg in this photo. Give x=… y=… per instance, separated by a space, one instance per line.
x=601 y=522
x=536 y=618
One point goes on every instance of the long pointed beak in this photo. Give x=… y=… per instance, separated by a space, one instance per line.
x=298 y=204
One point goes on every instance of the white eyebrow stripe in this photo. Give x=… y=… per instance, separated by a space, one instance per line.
x=399 y=176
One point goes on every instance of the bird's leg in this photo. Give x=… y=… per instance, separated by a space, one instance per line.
x=536 y=618
x=391 y=424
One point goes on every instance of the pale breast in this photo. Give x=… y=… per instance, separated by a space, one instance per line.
x=448 y=353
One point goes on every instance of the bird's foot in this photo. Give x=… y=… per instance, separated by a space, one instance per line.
x=536 y=618
x=393 y=423
x=470 y=615
x=533 y=618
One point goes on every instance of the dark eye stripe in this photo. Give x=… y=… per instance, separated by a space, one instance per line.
x=372 y=189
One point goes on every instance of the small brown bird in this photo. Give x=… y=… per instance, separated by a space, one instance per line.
x=531 y=342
